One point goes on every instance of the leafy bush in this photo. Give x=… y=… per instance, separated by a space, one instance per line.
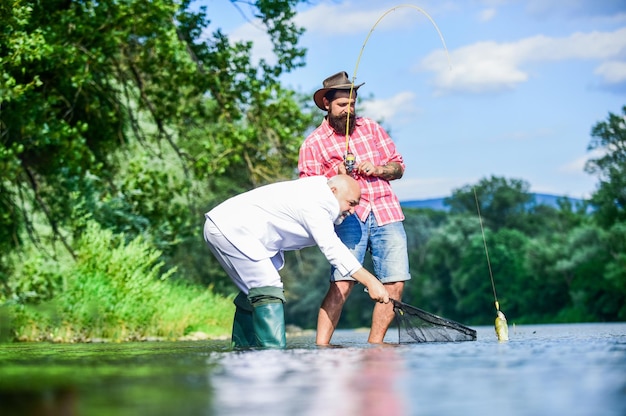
x=116 y=291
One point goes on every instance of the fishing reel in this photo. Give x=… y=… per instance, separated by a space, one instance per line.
x=349 y=160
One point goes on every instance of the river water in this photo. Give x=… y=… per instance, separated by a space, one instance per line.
x=573 y=370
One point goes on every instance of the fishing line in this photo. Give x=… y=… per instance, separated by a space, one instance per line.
x=419 y=9
x=493 y=286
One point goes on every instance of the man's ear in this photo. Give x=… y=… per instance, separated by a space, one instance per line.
x=326 y=103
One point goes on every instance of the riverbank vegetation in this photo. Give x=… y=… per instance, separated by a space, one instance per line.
x=111 y=291
x=121 y=123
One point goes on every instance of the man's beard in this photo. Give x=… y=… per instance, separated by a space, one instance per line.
x=338 y=123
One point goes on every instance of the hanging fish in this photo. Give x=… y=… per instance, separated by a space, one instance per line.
x=502 y=329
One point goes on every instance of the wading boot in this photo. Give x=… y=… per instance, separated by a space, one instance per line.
x=268 y=316
x=269 y=325
x=243 y=328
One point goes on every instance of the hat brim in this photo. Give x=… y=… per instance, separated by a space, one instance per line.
x=318 y=97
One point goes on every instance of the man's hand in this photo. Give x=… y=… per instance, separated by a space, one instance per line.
x=372 y=285
x=378 y=292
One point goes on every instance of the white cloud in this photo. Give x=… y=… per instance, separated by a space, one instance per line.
x=339 y=19
x=575 y=166
x=492 y=67
x=481 y=67
x=400 y=105
x=613 y=72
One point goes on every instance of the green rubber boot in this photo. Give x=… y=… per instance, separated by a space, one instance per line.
x=243 y=328
x=269 y=325
x=268 y=316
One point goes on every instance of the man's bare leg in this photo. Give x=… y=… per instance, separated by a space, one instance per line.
x=383 y=313
x=330 y=311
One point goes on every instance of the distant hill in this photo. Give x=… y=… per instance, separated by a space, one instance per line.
x=438 y=205
x=433 y=203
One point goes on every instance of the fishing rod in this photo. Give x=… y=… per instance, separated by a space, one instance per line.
x=502 y=330
x=419 y=325
x=349 y=158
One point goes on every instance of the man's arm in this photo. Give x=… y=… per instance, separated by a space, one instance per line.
x=389 y=172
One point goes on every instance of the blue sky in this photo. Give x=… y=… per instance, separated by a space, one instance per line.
x=516 y=95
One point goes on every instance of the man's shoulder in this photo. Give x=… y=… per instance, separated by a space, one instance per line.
x=366 y=125
x=366 y=121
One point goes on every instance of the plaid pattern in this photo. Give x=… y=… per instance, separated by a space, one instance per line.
x=323 y=150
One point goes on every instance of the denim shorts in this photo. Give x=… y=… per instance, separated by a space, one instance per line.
x=386 y=244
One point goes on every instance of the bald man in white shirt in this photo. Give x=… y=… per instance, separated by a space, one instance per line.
x=249 y=233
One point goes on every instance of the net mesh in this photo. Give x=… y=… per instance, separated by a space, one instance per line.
x=417 y=325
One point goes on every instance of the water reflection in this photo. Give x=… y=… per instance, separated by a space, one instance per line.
x=105 y=379
x=311 y=381
x=573 y=370
x=376 y=381
x=62 y=401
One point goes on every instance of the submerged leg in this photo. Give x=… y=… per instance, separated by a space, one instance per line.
x=330 y=311
x=383 y=313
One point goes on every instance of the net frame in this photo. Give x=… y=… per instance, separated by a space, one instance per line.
x=418 y=325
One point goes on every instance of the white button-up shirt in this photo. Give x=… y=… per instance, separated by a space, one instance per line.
x=266 y=221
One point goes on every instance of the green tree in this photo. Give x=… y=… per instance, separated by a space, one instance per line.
x=136 y=115
x=430 y=286
x=502 y=201
x=609 y=140
x=543 y=219
x=615 y=271
x=609 y=201
x=503 y=261
x=564 y=271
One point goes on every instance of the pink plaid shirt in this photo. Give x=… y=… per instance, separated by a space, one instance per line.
x=323 y=150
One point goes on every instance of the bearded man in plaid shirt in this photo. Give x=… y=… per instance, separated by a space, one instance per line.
x=346 y=143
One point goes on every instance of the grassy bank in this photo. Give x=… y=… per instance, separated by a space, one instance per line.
x=112 y=291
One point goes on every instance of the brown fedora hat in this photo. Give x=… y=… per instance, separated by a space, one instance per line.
x=339 y=81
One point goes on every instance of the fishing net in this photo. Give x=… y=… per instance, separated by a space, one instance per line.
x=417 y=325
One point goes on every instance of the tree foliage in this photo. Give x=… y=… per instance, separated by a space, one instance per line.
x=501 y=202
x=138 y=115
x=609 y=140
